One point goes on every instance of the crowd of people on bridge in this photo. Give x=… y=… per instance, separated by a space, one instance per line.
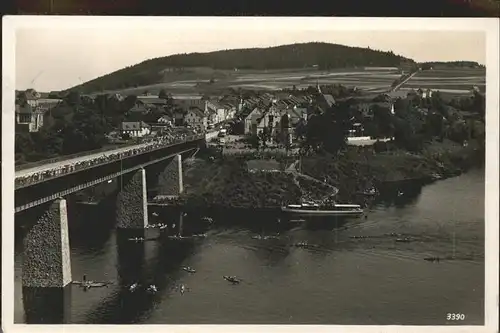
x=145 y=146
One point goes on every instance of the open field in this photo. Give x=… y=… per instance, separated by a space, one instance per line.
x=456 y=81
x=370 y=79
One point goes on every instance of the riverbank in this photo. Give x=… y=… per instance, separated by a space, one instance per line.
x=229 y=182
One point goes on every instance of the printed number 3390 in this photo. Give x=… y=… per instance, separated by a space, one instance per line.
x=455 y=316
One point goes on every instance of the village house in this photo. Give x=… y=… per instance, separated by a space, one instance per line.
x=30 y=110
x=232 y=101
x=47 y=104
x=252 y=121
x=426 y=93
x=117 y=97
x=231 y=112
x=152 y=100
x=219 y=111
x=178 y=116
x=196 y=118
x=141 y=107
x=357 y=130
x=324 y=101
x=186 y=101
x=165 y=119
x=270 y=120
x=211 y=117
x=135 y=129
x=28 y=118
x=294 y=116
x=31 y=97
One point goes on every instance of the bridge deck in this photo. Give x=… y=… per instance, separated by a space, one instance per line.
x=75 y=160
x=58 y=164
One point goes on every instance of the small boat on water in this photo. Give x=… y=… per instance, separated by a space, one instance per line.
x=369 y=192
x=137 y=239
x=207 y=219
x=189 y=269
x=133 y=287
x=232 y=279
x=436 y=176
x=87 y=284
x=358 y=237
x=312 y=209
x=178 y=237
x=152 y=289
x=403 y=240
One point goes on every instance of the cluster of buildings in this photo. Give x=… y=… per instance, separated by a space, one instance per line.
x=198 y=112
x=275 y=114
x=271 y=113
x=31 y=108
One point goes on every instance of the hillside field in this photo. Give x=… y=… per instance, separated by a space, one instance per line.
x=449 y=81
x=197 y=80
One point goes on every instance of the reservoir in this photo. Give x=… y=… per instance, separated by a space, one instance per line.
x=340 y=279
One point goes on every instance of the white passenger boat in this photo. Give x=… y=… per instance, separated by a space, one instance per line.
x=309 y=209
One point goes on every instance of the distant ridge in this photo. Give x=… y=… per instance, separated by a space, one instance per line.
x=322 y=56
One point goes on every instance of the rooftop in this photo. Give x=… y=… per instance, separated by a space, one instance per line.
x=134 y=125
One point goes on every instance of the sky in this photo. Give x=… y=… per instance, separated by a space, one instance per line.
x=57 y=57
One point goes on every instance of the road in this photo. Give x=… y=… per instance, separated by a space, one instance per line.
x=59 y=164
x=403 y=82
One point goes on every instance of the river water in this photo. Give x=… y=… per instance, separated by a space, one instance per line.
x=338 y=280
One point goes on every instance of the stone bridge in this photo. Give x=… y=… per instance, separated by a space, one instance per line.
x=47 y=262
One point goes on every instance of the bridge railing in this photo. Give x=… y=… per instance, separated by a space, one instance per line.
x=67 y=157
x=159 y=143
x=83 y=153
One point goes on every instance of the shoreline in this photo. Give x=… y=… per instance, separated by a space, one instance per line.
x=227 y=184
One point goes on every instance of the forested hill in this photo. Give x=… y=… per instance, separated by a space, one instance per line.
x=452 y=64
x=322 y=55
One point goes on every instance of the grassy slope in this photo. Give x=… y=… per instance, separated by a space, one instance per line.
x=197 y=65
x=448 y=78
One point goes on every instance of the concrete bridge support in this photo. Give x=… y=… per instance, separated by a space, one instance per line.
x=132 y=201
x=47 y=260
x=170 y=180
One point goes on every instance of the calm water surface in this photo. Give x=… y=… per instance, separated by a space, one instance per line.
x=340 y=280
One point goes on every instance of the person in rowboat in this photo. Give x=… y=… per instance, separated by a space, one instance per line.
x=152 y=289
x=133 y=287
x=232 y=279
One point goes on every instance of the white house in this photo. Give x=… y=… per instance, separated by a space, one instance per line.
x=136 y=129
x=230 y=112
x=219 y=110
x=271 y=119
x=196 y=118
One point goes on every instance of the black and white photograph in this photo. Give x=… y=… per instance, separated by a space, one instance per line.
x=338 y=173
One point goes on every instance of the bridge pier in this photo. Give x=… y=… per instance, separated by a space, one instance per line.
x=170 y=180
x=46 y=262
x=132 y=201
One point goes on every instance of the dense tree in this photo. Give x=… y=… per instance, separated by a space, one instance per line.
x=253 y=140
x=73 y=98
x=163 y=94
x=328 y=131
x=469 y=64
x=384 y=121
